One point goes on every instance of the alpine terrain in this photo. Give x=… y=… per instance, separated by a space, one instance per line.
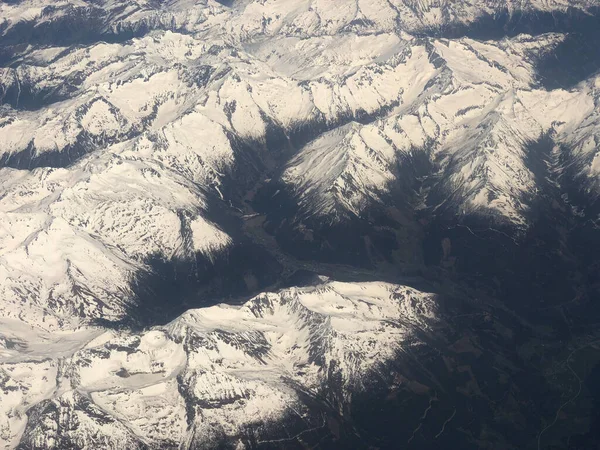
x=299 y=224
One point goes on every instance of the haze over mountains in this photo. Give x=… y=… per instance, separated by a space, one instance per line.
x=291 y=224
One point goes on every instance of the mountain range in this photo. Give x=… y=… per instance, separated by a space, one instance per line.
x=299 y=224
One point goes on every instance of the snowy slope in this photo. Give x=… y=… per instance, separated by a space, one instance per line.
x=319 y=17
x=90 y=98
x=72 y=239
x=579 y=157
x=474 y=114
x=37 y=21
x=209 y=374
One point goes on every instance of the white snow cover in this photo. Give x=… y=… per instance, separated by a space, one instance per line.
x=71 y=240
x=476 y=113
x=473 y=107
x=233 y=366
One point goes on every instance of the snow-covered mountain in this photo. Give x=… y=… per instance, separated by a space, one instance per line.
x=157 y=156
x=247 y=19
x=209 y=375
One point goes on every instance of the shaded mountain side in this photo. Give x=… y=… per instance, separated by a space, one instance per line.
x=553 y=259
x=573 y=60
x=506 y=23
x=170 y=287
